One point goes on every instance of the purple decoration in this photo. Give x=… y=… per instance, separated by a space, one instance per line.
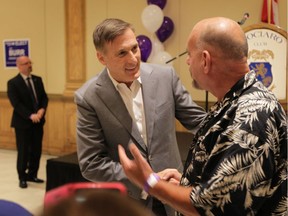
x=145 y=46
x=165 y=29
x=160 y=3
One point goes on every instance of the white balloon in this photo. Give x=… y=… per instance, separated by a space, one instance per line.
x=152 y=17
x=161 y=58
x=157 y=47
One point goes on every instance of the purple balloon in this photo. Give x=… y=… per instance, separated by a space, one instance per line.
x=145 y=46
x=160 y=3
x=165 y=29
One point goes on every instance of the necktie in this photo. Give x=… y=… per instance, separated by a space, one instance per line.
x=34 y=99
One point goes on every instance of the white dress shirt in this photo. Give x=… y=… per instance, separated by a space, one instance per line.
x=133 y=101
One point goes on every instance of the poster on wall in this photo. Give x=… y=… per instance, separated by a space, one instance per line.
x=267 y=56
x=14 y=48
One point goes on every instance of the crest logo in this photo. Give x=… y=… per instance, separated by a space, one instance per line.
x=267 y=56
x=263 y=69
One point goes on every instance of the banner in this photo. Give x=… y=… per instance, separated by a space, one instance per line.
x=13 y=49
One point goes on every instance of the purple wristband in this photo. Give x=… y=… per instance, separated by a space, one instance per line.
x=151 y=181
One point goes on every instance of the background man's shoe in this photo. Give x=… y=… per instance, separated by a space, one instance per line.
x=35 y=179
x=23 y=184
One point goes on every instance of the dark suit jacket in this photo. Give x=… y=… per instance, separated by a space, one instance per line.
x=21 y=100
x=104 y=122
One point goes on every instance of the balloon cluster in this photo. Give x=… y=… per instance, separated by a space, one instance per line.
x=161 y=27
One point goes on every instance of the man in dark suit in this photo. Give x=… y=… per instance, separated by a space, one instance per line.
x=28 y=97
x=130 y=102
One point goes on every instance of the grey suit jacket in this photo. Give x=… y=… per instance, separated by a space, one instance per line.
x=104 y=122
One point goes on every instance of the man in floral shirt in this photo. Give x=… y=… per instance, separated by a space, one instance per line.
x=237 y=163
x=245 y=168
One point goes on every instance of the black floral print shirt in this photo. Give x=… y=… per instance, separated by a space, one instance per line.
x=237 y=163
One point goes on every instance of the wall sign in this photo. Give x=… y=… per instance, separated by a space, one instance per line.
x=14 y=49
x=267 y=56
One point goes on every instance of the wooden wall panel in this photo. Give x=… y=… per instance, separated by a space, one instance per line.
x=7 y=138
x=70 y=124
x=59 y=130
x=75 y=45
x=54 y=127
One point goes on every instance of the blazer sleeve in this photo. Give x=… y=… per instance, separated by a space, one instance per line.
x=188 y=113
x=41 y=93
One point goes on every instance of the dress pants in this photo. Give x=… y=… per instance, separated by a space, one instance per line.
x=29 y=147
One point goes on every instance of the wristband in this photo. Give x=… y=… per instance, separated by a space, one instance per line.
x=152 y=180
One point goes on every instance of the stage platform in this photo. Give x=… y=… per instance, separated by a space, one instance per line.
x=63 y=170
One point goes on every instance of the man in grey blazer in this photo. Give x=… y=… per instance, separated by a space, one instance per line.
x=130 y=102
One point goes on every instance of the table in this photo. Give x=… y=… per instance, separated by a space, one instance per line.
x=62 y=170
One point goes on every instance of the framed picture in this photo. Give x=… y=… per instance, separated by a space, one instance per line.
x=267 y=56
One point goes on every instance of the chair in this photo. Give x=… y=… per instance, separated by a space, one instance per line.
x=9 y=208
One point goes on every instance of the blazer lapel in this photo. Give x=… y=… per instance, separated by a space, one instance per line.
x=111 y=97
x=149 y=87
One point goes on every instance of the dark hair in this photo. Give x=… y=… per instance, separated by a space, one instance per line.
x=108 y=30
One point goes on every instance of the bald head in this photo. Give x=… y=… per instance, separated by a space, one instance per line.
x=24 y=65
x=217 y=55
x=222 y=35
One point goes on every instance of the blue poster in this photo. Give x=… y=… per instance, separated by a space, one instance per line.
x=14 y=49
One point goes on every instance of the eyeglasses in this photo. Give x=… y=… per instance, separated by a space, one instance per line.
x=27 y=63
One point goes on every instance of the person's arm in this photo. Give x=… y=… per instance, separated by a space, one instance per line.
x=42 y=97
x=170 y=175
x=41 y=112
x=187 y=112
x=138 y=171
x=42 y=100
x=15 y=96
x=176 y=196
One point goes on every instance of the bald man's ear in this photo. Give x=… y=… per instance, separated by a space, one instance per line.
x=206 y=61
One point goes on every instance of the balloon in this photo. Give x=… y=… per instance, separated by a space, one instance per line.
x=157 y=47
x=160 y=3
x=165 y=30
x=161 y=58
x=145 y=46
x=152 y=17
